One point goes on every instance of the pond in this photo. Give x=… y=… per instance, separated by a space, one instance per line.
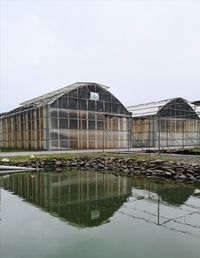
x=82 y=214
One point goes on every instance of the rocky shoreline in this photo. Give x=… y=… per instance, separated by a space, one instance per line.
x=119 y=166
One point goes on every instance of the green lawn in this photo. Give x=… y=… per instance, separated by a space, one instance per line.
x=137 y=156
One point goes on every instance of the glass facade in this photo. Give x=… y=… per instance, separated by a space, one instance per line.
x=176 y=124
x=23 y=129
x=86 y=117
x=80 y=122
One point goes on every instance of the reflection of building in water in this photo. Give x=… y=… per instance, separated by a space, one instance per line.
x=171 y=205
x=82 y=198
x=169 y=192
x=87 y=199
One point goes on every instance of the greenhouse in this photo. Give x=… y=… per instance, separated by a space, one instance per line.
x=165 y=124
x=79 y=116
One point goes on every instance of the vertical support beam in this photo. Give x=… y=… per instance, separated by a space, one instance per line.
x=149 y=133
x=58 y=125
x=158 y=127
x=47 y=127
x=183 y=133
x=129 y=131
x=104 y=133
x=1 y=179
x=198 y=133
x=167 y=131
x=153 y=132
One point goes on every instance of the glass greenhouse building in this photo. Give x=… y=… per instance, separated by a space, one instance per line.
x=79 y=116
x=164 y=124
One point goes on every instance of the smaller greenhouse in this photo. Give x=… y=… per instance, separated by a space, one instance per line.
x=164 y=124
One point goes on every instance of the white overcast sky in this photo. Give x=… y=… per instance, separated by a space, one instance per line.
x=143 y=50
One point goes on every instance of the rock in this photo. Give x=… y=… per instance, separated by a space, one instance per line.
x=168 y=174
x=149 y=171
x=101 y=166
x=5 y=160
x=126 y=171
x=122 y=166
x=189 y=171
x=58 y=163
x=192 y=178
x=182 y=177
x=171 y=171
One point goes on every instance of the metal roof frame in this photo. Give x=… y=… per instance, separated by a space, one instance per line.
x=152 y=108
x=51 y=96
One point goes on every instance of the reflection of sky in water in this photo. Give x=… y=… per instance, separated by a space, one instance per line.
x=137 y=212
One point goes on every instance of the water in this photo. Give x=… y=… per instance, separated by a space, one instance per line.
x=86 y=214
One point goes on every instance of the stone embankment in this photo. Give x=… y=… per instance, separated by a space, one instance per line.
x=121 y=166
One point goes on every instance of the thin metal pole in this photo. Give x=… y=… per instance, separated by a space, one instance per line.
x=129 y=128
x=198 y=134
x=158 y=126
x=158 y=205
x=47 y=128
x=158 y=210
x=104 y=133
x=0 y=196
x=183 y=134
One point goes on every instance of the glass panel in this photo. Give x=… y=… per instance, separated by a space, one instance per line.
x=83 y=115
x=73 y=124
x=91 y=145
x=73 y=103
x=100 y=117
x=91 y=105
x=82 y=93
x=91 y=135
x=54 y=144
x=53 y=123
x=64 y=144
x=83 y=144
x=63 y=113
x=115 y=124
x=100 y=125
x=74 y=93
x=91 y=125
x=82 y=104
x=63 y=124
x=83 y=124
x=115 y=108
x=100 y=106
x=91 y=115
x=74 y=144
x=63 y=135
x=73 y=114
x=63 y=102
x=73 y=134
x=83 y=135
x=108 y=107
